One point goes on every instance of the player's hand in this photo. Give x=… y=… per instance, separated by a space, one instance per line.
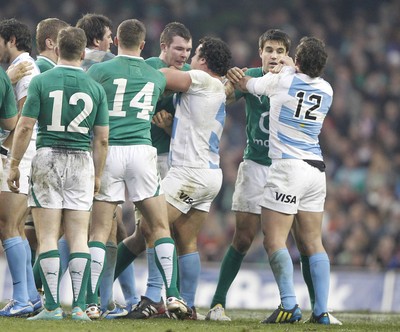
x=229 y=88
x=13 y=179
x=162 y=119
x=97 y=182
x=235 y=74
x=16 y=72
x=284 y=61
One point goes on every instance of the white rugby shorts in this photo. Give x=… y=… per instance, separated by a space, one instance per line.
x=187 y=188
x=249 y=187
x=62 y=179
x=294 y=185
x=133 y=167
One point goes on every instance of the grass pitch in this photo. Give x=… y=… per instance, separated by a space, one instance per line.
x=242 y=321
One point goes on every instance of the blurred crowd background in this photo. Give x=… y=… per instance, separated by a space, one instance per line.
x=360 y=137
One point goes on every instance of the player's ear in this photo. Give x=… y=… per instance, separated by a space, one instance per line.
x=49 y=43
x=83 y=55
x=115 y=41
x=96 y=42
x=141 y=45
x=13 y=40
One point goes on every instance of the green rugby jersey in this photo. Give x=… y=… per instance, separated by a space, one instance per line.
x=133 y=88
x=44 y=63
x=160 y=138
x=257 y=123
x=8 y=107
x=67 y=104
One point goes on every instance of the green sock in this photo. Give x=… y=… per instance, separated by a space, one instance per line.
x=124 y=258
x=33 y=258
x=36 y=274
x=166 y=260
x=49 y=266
x=305 y=270
x=229 y=269
x=98 y=260
x=79 y=269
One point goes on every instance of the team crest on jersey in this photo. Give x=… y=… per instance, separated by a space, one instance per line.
x=186 y=198
x=285 y=198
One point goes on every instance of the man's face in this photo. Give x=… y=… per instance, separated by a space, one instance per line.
x=4 y=51
x=107 y=41
x=177 y=53
x=196 y=61
x=271 y=54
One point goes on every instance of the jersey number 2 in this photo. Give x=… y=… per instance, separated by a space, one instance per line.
x=314 y=99
x=57 y=110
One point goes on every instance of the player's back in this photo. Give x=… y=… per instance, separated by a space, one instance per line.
x=132 y=89
x=298 y=108
x=66 y=102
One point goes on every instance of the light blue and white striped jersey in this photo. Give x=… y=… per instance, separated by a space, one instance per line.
x=198 y=123
x=298 y=108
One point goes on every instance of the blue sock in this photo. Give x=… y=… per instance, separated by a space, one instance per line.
x=189 y=270
x=30 y=279
x=282 y=267
x=320 y=274
x=107 y=280
x=154 y=280
x=128 y=285
x=63 y=249
x=16 y=257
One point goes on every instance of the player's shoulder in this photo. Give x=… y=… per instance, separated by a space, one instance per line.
x=202 y=79
x=186 y=67
x=155 y=62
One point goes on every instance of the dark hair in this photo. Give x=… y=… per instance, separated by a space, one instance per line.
x=174 y=29
x=94 y=26
x=71 y=43
x=48 y=28
x=12 y=27
x=131 y=33
x=311 y=56
x=277 y=35
x=216 y=53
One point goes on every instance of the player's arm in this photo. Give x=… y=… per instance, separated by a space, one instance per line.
x=267 y=84
x=100 y=147
x=7 y=126
x=9 y=123
x=8 y=141
x=233 y=75
x=177 y=80
x=22 y=135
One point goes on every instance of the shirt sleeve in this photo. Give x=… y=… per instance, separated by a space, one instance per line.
x=267 y=84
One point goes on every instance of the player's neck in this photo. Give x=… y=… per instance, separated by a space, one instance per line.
x=49 y=54
x=129 y=52
x=72 y=63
